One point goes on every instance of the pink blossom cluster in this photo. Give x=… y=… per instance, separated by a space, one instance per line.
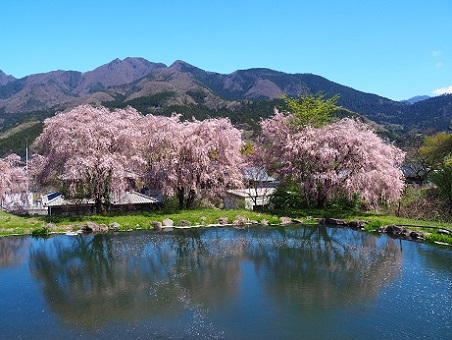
x=12 y=176
x=93 y=151
x=96 y=151
x=342 y=159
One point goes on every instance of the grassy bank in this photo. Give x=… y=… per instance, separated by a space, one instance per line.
x=17 y=225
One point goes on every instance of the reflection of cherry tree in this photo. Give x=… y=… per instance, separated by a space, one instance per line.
x=81 y=283
x=318 y=266
x=11 y=251
x=93 y=281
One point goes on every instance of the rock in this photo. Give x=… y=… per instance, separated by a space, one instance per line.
x=285 y=220
x=335 y=221
x=444 y=232
x=114 y=226
x=414 y=235
x=264 y=222
x=156 y=225
x=91 y=227
x=295 y=220
x=51 y=226
x=405 y=234
x=184 y=223
x=240 y=220
x=167 y=222
x=223 y=220
x=358 y=224
x=393 y=230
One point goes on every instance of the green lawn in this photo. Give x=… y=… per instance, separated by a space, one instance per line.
x=12 y=225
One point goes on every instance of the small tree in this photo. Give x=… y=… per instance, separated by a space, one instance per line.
x=442 y=178
x=435 y=148
x=311 y=110
x=437 y=152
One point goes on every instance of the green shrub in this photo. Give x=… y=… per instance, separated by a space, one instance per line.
x=42 y=231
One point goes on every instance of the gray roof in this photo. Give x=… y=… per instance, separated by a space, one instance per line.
x=258 y=175
x=132 y=197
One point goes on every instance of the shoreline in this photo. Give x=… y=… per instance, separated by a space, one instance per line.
x=412 y=230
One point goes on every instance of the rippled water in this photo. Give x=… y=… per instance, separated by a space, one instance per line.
x=260 y=283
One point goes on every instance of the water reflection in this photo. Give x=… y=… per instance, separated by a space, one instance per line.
x=12 y=251
x=317 y=266
x=90 y=282
x=81 y=284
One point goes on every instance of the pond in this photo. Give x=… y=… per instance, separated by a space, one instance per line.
x=225 y=283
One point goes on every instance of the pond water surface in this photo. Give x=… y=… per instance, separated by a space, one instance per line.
x=252 y=283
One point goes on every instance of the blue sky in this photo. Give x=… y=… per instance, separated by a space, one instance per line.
x=394 y=48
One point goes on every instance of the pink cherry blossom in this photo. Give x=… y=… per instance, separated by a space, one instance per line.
x=192 y=159
x=13 y=178
x=342 y=159
x=90 y=150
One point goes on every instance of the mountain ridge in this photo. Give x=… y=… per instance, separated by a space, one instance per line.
x=184 y=85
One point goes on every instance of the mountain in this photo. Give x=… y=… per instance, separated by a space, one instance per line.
x=46 y=90
x=181 y=87
x=415 y=99
x=5 y=79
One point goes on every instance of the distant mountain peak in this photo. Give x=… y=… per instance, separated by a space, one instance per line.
x=5 y=79
x=182 y=66
x=415 y=99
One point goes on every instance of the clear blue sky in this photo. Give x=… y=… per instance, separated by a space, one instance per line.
x=394 y=48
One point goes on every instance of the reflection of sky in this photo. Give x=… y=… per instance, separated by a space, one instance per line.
x=421 y=298
x=23 y=309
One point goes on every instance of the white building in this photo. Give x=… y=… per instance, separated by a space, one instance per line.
x=251 y=198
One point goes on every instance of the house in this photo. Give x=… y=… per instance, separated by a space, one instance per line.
x=258 y=177
x=250 y=198
x=57 y=204
x=415 y=173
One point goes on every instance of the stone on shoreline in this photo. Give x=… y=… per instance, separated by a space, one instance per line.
x=114 y=226
x=285 y=220
x=167 y=222
x=223 y=220
x=91 y=227
x=156 y=225
x=51 y=226
x=401 y=232
x=240 y=220
x=184 y=223
x=358 y=224
x=332 y=222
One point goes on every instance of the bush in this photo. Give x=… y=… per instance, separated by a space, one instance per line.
x=42 y=231
x=422 y=203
